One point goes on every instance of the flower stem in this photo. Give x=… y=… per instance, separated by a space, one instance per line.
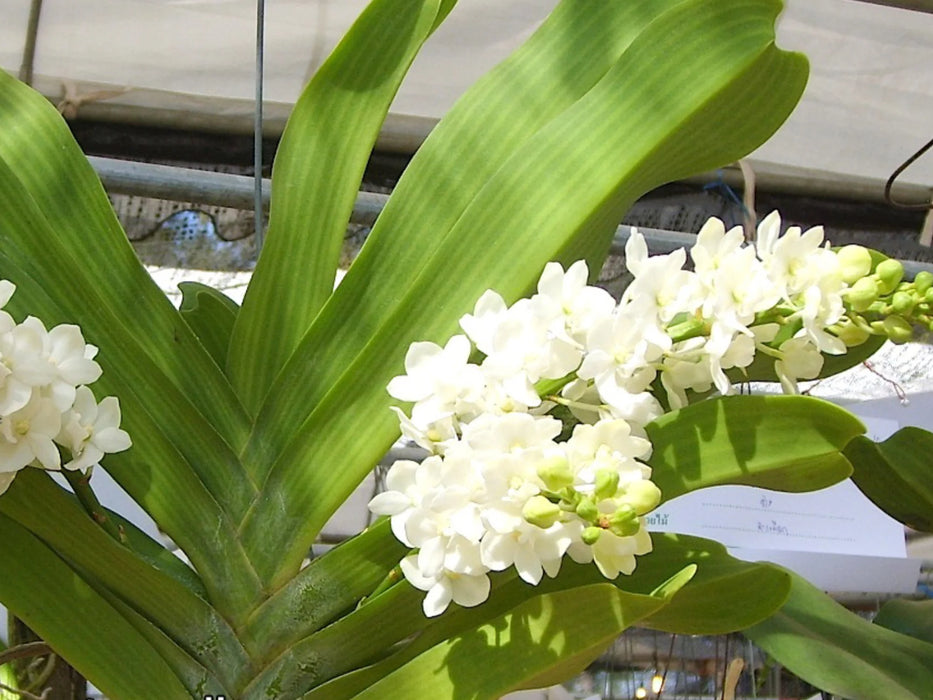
x=80 y=484
x=393 y=577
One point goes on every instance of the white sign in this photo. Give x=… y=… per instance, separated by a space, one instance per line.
x=838 y=520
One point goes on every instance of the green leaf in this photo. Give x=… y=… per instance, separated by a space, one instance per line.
x=52 y=515
x=635 y=128
x=157 y=556
x=88 y=243
x=185 y=420
x=318 y=594
x=911 y=617
x=744 y=440
x=180 y=469
x=555 y=629
x=211 y=315
x=574 y=48
x=839 y=652
x=897 y=475
x=189 y=672
x=724 y=595
x=34 y=256
x=317 y=172
x=69 y=614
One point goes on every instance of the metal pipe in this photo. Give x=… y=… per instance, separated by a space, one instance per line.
x=916 y=5
x=203 y=186
x=237 y=191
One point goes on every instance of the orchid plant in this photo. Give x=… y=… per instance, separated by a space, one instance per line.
x=553 y=421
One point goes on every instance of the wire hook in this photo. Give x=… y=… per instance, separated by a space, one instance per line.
x=903 y=166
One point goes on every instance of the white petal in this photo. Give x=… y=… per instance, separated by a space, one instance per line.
x=389 y=503
x=6 y=291
x=528 y=565
x=470 y=591
x=438 y=598
x=112 y=440
x=413 y=574
x=46 y=452
x=431 y=556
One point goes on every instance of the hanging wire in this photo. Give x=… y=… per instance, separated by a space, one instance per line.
x=667 y=667
x=903 y=166
x=29 y=50
x=257 y=125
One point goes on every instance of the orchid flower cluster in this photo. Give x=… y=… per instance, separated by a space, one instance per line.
x=46 y=407
x=539 y=451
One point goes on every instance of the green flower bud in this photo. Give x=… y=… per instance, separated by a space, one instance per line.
x=889 y=272
x=923 y=282
x=587 y=510
x=539 y=511
x=607 y=483
x=855 y=262
x=556 y=474
x=590 y=535
x=862 y=294
x=851 y=333
x=643 y=496
x=903 y=302
x=897 y=329
x=928 y=296
x=624 y=522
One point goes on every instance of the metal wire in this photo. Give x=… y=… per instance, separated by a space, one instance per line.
x=257 y=125
x=903 y=166
x=29 y=50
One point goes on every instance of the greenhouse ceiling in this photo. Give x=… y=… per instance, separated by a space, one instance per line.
x=191 y=64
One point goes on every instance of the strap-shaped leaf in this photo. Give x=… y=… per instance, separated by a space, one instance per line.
x=840 y=652
x=911 y=617
x=161 y=480
x=176 y=403
x=696 y=608
x=569 y=53
x=189 y=672
x=38 y=147
x=180 y=470
x=897 y=475
x=157 y=556
x=356 y=639
x=43 y=508
x=520 y=646
x=315 y=180
x=744 y=440
x=556 y=197
x=53 y=282
x=318 y=594
x=725 y=595
x=211 y=315
x=43 y=591
x=564 y=59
